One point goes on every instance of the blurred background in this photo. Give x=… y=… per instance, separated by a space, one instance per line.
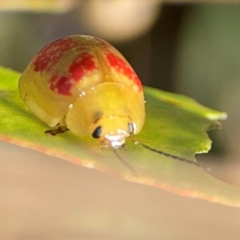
x=192 y=49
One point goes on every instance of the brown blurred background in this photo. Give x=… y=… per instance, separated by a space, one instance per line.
x=189 y=49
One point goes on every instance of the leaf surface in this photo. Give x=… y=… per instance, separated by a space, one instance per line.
x=174 y=124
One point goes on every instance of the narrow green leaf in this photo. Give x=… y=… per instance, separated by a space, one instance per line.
x=175 y=124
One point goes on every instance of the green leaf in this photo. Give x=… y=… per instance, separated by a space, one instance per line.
x=175 y=124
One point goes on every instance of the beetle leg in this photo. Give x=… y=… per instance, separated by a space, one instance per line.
x=55 y=131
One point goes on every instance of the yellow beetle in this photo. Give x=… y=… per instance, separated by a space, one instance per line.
x=83 y=84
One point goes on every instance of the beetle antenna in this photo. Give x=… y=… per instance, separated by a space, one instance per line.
x=123 y=161
x=182 y=159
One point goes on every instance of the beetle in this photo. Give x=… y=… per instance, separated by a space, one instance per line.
x=83 y=84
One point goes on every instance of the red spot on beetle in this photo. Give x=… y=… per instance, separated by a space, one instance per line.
x=51 y=54
x=61 y=85
x=121 y=66
x=82 y=65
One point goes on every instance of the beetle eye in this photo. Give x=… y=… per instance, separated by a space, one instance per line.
x=131 y=127
x=97 y=132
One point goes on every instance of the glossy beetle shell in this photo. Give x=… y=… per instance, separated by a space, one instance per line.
x=83 y=82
